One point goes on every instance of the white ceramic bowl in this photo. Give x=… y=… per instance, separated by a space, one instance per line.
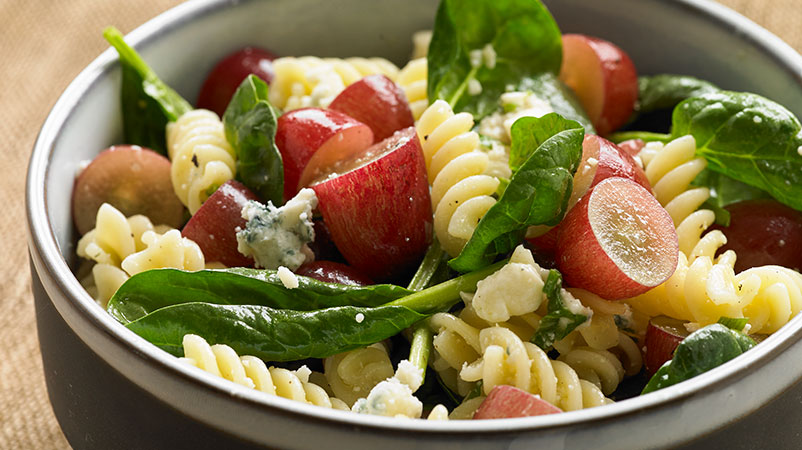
x=111 y=389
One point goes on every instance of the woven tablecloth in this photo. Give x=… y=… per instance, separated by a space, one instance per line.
x=43 y=45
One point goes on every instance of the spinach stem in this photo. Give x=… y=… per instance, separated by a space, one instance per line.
x=423 y=277
x=128 y=54
x=461 y=88
x=421 y=342
x=421 y=345
x=647 y=136
x=444 y=295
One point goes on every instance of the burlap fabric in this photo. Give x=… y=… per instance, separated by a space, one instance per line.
x=43 y=45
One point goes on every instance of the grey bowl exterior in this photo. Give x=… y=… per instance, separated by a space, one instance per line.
x=111 y=389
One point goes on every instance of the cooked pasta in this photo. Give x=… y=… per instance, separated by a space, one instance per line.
x=599 y=350
x=353 y=374
x=600 y=367
x=496 y=356
x=439 y=412
x=168 y=250
x=704 y=287
x=114 y=236
x=306 y=81
x=461 y=192
x=507 y=360
x=420 y=43
x=249 y=371
x=412 y=79
x=202 y=159
x=122 y=247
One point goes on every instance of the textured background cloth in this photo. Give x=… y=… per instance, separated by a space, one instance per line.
x=43 y=45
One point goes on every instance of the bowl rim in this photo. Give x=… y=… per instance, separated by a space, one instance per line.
x=43 y=244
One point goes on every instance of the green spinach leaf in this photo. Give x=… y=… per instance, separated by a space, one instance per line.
x=725 y=191
x=250 y=126
x=274 y=334
x=559 y=321
x=148 y=291
x=527 y=49
x=736 y=324
x=702 y=350
x=550 y=148
x=748 y=138
x=665 y=91
x=645 y=136
x=147 y=103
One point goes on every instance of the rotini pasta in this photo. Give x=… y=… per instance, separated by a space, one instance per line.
x=122 y=247
x=301 y=82
x=507 y=360
x=249 y=371
x=704 y=287
x=600 y=347
x=420 y=43
x=202 y=159
x=412 y=79
x=353 y=374
x=461 y=192
x=502 y=357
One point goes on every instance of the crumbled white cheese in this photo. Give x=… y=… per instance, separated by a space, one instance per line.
x=390 y=398
x=288 y=279
x=474 y=87
x=410 y=375
x=394 y=397
x=513 y=290
x=277 y=236
x=575 y=306
x=475 y=57
x=359 y=317
x=498 y=155
x=799 y=150
x=515 y=105
x=489 y=56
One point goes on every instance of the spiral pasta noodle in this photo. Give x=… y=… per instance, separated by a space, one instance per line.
x=122 y=247
x=599 y=351
x=351 y=375
x=413 y=81
x=306 y=81
x=503 y=358
x=202 y=159
x=461 y=191
x=250 y=371
x=705 y=288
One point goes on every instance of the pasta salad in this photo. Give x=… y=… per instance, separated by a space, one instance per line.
x=484 y=232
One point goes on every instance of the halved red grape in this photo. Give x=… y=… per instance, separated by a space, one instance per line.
x=764 y=232
x=226 y=76
x=133 y=179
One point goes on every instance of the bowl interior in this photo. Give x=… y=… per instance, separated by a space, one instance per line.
x=688 y=37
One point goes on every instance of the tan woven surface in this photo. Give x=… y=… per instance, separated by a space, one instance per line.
x=43 y=45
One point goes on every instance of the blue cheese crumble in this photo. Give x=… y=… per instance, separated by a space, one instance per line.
x=277 y=237
x=394 y=397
